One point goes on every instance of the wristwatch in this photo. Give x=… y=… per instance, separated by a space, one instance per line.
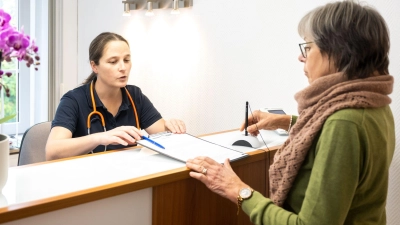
x=244 y=193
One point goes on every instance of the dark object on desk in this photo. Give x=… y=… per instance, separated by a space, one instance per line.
x=246 y=140
x=242 y=143
x=33 y=144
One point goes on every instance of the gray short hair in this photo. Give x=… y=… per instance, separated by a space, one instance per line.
x=354 y=36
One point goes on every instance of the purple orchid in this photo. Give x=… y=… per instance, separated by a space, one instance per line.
x=4 y=18
x=16 y=44
x=4 y=33
x=5 y=30
x=18 y=40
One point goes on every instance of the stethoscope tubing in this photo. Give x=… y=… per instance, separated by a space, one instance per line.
x=103 y=123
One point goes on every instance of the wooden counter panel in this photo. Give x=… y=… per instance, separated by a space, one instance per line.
x=188 y=201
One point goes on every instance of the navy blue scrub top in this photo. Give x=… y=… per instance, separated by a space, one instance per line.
x=76 y=105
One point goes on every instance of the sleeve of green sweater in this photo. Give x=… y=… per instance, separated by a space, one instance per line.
x=333 y=181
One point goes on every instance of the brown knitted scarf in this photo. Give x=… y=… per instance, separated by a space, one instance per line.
x=316 y=103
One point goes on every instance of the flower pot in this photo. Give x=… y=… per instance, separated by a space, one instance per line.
x=4 y=157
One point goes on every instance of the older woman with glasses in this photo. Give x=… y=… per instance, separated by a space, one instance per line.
x=333 y=169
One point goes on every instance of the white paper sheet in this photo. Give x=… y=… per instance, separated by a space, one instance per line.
x=185 y=146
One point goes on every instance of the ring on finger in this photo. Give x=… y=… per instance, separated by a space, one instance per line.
x=204 y=171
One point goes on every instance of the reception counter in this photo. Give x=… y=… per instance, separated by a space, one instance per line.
x=132 y=186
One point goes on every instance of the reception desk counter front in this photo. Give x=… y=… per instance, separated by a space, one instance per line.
x=132 y=186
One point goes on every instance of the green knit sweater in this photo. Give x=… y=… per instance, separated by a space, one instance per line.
x=344 y=178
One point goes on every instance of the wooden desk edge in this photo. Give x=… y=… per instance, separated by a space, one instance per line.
x=23 y=210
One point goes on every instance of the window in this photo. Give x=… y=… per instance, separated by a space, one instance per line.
x=8 y=104
x=28 y=88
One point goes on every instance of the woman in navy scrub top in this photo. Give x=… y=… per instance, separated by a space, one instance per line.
x=110 y=59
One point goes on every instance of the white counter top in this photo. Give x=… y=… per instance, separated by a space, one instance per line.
x=46 y=180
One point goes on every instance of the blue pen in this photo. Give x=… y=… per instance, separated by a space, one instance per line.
x=153 y=142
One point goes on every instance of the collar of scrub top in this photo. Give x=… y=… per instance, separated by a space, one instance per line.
x=103 y=123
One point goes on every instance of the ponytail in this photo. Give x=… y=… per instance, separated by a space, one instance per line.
x=90 y=78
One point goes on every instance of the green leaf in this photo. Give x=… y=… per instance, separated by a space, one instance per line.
x=7 y=118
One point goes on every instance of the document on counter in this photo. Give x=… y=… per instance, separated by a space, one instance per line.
x=186 y=146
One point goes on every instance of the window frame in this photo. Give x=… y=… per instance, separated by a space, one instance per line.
x=32 y=88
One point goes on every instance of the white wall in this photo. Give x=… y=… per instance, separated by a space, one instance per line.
x=202 y=65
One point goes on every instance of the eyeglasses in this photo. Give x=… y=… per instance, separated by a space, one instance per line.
x=304 y=49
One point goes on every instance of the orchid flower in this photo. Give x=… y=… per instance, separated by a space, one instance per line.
x=16 y=44
x=18 y=40
x=4 y=18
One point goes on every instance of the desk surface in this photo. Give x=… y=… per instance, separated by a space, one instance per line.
x=42 y=187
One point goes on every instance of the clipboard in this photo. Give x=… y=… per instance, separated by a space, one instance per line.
x=186 y=146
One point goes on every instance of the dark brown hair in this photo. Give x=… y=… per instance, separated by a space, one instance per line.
x=354 y=36
x=96 y=49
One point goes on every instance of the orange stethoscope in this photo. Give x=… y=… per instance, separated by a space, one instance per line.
x=103 y=123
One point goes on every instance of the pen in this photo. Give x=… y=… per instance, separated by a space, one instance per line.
x=151 y=141
x=246 y=120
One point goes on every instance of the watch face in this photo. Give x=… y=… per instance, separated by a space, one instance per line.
x=245 y=193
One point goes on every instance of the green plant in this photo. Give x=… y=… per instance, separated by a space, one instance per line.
x=7 y=118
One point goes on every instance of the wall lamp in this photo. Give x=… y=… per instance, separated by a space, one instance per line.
x=127 y=9
x=176 y=4
x=150 y=5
